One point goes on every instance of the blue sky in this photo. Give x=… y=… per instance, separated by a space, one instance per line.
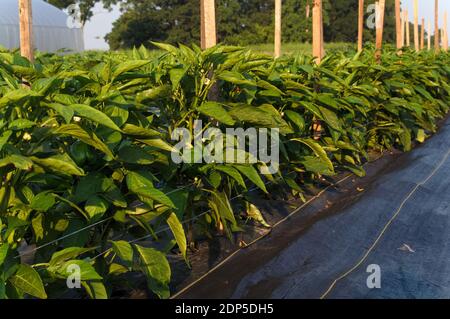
x=101 y=24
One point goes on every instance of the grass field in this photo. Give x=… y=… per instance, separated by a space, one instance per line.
x=286 y=48
x=292 y=48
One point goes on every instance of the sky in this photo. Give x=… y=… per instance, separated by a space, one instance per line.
x=101 y=23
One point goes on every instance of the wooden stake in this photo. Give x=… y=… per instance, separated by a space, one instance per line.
x=317 y=31
x=277 y=28
x=208 y=24
x=436 y=26
x=361 y=24
x=322 y=43
x=380 y=6
x=422 y=35
x=402 y=30
x=26 y=29
x=398 y=24
x=318 y=52
x=416 y=25
x=408 y=36
x=429 y=35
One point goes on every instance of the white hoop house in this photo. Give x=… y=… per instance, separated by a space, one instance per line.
x=50 y=28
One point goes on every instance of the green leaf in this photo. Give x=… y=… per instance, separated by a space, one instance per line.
x=38 y=227
x=235 y=78
x=16 y=96
x=178 y=232
x=28 y=281
x=216 y=111
x=62 y=164
x=420 y=136
x=234 y=173
x=95 y=289
x=223 y=204
x=42 y=202
x=251 y=173
x=73 y=205
x=124 y=250
x=19 y=161
x=94 y=115
x=4 y=248
x=137 y=180
x=297 y=119
x=270 y=87
x=330 y=118
x=21 y=124
x=357 y=170
x=128 y=66
x=159 y=92
x=316 y=165
x=155 y=195
x=157 y=269
x=135 y=155
x=265 y=116
x=4 y=138
x=63 y=110
x=215 y=178
x=96 y=207
x=116 y=269
x=180 y=198
x=67 y=254
x=131 y=129
x=176 y=75
x=91 y=139
x=87 y=271
x=142 y=186
x=220 y=204
x=254 y=213
x=317 y=149
x=158 y=143
x=328 y=100
x=166 y=47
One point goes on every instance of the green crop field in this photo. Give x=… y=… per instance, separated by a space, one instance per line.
x=85 y=149
x=301 y=48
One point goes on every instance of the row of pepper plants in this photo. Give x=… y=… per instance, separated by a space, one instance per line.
x=85 y=150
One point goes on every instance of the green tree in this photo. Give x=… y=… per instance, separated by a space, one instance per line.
x=175 y=21
x=85 y=6
x=343 y=22
x=240 y=22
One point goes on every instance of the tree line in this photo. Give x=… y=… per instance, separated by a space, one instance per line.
x=239 y=22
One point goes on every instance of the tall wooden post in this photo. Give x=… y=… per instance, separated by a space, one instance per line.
x=398 y=24
x=429 y=36
x=402 y=29
x=445 y=33
x=208 y=24
x=317 y=31
x=26 y=29
x=322 y=42
x=380 y=7
x=408 y=27
x=422 y=35
x=277 y=28
x=361 y=24
x=436 y=25
x=416 y=25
